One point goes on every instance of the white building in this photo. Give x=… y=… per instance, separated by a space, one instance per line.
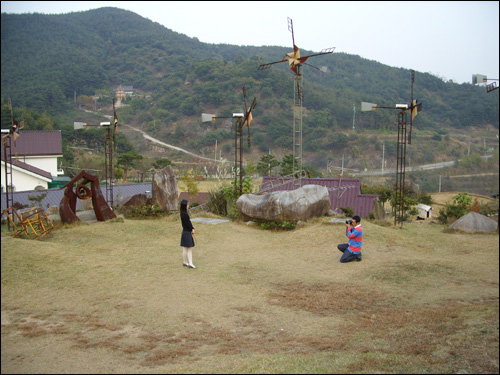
x=34 y=160
x=424 y=211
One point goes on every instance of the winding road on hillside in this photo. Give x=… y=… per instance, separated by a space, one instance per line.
x=424 y=167
x=367 y=173
x=154 y=140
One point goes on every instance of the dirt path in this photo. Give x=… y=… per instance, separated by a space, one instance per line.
x=154 y=140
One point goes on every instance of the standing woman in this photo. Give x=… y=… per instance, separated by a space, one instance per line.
x=187 y=241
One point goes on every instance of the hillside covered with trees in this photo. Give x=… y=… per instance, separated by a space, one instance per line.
x=48 y=61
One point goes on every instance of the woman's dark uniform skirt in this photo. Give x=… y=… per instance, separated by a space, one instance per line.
x=187 y=239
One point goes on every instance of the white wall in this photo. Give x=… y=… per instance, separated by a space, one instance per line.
x=23 y=180
x=45 y=163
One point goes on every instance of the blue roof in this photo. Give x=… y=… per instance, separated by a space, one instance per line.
x=54 y=196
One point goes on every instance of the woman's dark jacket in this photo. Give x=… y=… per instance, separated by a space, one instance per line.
x=187 y=227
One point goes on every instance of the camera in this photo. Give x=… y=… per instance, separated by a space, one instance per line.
x=348 y=221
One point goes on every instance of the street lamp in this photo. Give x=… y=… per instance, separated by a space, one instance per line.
x=208 y=117
x=109 y=144
x=414 y=107
x=243 y=118
x=479 y=78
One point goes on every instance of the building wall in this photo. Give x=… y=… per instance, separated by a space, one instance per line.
x=24 y=181
x=46 y=163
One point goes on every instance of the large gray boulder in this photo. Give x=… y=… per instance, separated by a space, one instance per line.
x=136 y=200
x=164 y=189
x=378 y=210
x=301 y=204
x=474 y=222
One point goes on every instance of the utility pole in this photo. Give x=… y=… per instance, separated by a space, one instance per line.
x=440 y=183
x=354 y=117
x=342 y=173
x=383 y=156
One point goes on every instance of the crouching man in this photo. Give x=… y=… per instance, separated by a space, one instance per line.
x=352 y=250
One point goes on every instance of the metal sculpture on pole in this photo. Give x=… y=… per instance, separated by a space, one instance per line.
x=242 y=120
x=295 y=62
x=109 y=147
x=7 y=141
x=414 y=107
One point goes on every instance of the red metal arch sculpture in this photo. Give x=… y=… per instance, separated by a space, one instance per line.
x=67 y=207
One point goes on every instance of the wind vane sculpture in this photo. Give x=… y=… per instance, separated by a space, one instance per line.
x=295 y=62
x=242 y=120
x=403 y=139
x=7 y=139
x=109 y=147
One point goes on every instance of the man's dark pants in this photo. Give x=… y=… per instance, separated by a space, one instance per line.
x=347 y=256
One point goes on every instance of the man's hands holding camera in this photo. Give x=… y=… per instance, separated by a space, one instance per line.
x=351 y=223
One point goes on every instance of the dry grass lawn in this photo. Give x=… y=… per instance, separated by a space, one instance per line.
x=114 y=298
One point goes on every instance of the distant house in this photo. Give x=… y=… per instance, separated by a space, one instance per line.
x=424 y=211
x=34 y=160
x=124 y=91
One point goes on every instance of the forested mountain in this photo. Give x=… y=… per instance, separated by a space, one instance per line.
x=48 y=59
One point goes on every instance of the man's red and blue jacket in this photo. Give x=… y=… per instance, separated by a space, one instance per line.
x=355 y=236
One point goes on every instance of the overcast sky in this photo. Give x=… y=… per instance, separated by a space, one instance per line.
x=452 y=40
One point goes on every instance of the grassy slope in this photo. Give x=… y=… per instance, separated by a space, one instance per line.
x=114 y=297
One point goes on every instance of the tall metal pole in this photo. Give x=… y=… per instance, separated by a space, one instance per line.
x=400 y=169
x=238 y=154
x=108 y=162
x=297 y=129
x=241 y=158
x=8 y=172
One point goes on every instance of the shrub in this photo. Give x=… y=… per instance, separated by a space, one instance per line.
x=272 y=225
x=486 y=210
x=146 y=211
x=457 y=209
x=424 y=198
x=217 y=203
x=475 y=206
x=348 y=211
x=223 y=200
